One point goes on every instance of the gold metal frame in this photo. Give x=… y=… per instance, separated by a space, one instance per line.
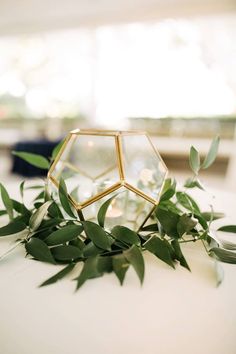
x=120 y=165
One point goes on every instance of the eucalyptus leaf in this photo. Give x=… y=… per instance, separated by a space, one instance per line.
x=228 y=228
x=103 y=209
x=212 y=153
x=208 y=216
x=6 y=201
x=54 y=211
x=185 y=224
x=159 y=248
x=187 y=202
x=64 y=199
x=179 y=255
x=20 y=208
x=65 y=234
x=168 y=221
x=90 y=250
x=12 y=228
x=168 y=192
x=38 y=216
x=57 y=148
x=201 y=221
x=194 y=160
x=22 y=185
x=96 y=234
x=151 y=227
x=33 y=159
x=58 y=276
x=120 y=267
x=66 y=253
x=39 y=250
x=89 y=271
x=223 y=255
x=105 y=264
x=193 y=183
x=124 y=234
x=135 y=258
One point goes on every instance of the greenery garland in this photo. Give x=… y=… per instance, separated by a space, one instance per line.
x=51 y=232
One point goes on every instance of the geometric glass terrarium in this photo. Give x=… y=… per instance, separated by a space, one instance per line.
x=97 y=165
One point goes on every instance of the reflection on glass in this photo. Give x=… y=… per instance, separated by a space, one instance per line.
x=97 y=165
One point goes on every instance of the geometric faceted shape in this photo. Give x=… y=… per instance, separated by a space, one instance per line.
x=96 y=165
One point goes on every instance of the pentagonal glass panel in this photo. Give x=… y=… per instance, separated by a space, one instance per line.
x=88 y=165
x=143 y=167
x=127 y=209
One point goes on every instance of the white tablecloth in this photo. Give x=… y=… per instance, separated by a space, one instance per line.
x=175 y=311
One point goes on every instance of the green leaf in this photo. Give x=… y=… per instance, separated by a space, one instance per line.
x=208 y=216
x=57 y=148
x=169 y=192
x=22 y=189
x=33 y=159
x=193 y=183
x=39 y=196
x=59 y=275
x=103 y=209
x=194 y=160
x=120 y=266
x=201 y=221
x=89 y=271
x=66 y=253
x=160 y=249
x=185 y=224
x=90 y=250
x=223 y=255
x=54 y=211
x=12 y=228
x=187 y=202
x=38 y=216
x=39 y=250
x=105 y=264
x=228 y=228
x=212 y=153
x=124 y=234
x=168 y=221
x=20 y=208
x=65 y=234
x=135 y=258
x=7 y=201
x=64 y=199
x=3 y=212
x=151 y=227
x=96 y=234
x=179 y=255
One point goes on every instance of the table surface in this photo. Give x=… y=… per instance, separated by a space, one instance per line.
x=175 y=311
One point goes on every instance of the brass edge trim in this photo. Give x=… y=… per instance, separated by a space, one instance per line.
x=101 y=195
x=96 y=133
x=107 y=132
x=80 y=215
x=75 y=131
x=77 y=206
x=147 y=217
x=140 y=193
x=120 y=157
x=138 y=132
x=51 y=169
x=156 y=151
x=159 y=156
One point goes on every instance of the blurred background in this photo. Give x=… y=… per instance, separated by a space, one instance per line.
x=164 y=66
